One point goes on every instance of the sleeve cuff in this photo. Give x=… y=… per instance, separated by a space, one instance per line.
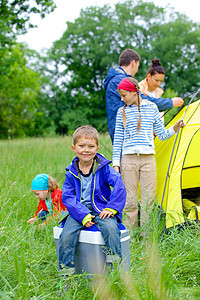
x=116 y=163
x=86 y=219
x=114 y=212
x=171 y=131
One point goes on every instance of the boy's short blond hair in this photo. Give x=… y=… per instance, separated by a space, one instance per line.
x=86 y=131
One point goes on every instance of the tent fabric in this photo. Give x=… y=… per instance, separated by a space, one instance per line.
x=184 y=171
x=191 y=209
x=191 y=168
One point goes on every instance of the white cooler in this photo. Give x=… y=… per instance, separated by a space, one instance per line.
x=90 y=253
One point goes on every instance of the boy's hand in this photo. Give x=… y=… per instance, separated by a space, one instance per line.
x=177 y=101
x=105 y=214
x=176 y=126
x=90 y=223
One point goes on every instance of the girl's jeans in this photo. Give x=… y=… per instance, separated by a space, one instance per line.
x=138 y=168
x=69 y=237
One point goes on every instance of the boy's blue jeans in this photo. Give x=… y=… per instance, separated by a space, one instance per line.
x=69 y=237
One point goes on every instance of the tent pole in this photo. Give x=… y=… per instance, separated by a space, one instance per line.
x=173 y=153
x=183 y=99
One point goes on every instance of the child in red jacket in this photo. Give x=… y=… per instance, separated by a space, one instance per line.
x=46 y=190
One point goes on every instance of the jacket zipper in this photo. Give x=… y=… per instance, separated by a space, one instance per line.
x=92 y=191
x=80 y=181
x=93 y=196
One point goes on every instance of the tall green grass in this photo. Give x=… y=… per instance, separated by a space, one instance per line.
x=163 y=266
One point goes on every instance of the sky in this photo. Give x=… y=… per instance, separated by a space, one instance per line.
x=52 y=27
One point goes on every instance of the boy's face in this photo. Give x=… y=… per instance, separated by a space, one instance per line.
x=41 y=194
x=85 y=149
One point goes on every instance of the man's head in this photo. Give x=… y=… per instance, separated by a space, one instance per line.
x=129 y=60
x=86 y=131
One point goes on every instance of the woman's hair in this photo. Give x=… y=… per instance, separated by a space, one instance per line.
x=134 y=81
x=156 y=67
x=127 y=56
x=53 y=185
x=88 y=132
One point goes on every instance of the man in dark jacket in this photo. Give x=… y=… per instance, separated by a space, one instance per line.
x=129 y=61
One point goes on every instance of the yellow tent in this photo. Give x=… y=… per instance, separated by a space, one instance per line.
x=178 y=165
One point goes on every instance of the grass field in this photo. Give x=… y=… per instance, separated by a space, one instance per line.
x=162 y=267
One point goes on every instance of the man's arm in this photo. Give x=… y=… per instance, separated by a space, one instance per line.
x=162 y=103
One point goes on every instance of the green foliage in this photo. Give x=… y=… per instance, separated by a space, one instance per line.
x=65 y=86
x=178 y=46
x=15 y=17
x=19 y=84
x=19 y=88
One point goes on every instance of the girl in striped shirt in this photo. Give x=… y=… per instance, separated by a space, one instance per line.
x=133 y=148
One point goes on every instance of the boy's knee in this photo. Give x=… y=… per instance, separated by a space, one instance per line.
x=64 y=238
x=110 y=226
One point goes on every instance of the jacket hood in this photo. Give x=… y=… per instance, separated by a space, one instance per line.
x=100 y=161
x=112 y=73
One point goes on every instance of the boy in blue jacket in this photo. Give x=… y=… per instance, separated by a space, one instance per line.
x=88 y=197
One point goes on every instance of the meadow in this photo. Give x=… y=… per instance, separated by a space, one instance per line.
x=163 y=266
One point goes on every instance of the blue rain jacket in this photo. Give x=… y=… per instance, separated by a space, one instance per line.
x=104 y=177
x=113 y=98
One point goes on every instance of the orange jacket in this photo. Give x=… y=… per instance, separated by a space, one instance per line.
x=144 y=88
x=56 y=204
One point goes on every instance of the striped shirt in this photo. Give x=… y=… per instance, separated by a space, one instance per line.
x=128 y=141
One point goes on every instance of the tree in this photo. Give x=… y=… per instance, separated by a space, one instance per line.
x=179 y=44
x=66 y=86
x=15 y=17
x=92 y=43
x=19 y=84
x=19 y=89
